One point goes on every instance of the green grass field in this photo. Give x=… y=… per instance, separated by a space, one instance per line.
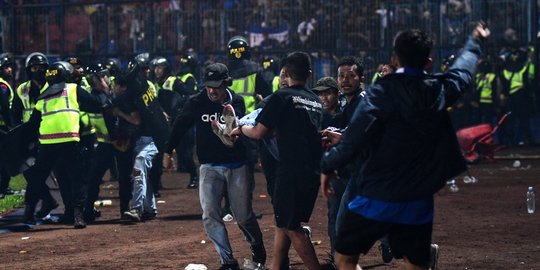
x=13 y=201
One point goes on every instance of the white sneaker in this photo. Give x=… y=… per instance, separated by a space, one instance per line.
x=228 y=218
x=223 y=130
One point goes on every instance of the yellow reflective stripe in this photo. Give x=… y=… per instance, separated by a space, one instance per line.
x=60 y=119
x=186 y=76
x=168 y=84
x=516 y=79
x=275 y=84
x=485 y=82
x=246 y=88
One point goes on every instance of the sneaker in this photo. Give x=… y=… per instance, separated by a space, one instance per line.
x=46 y=208
x=228 y=218
x=133 y=215
x=258 y=255
x=307 y=231
x=386 y=253
x=434 y=256
x=223 y=130
x=230 y=266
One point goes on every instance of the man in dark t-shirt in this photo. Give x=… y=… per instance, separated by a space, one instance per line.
x=294 y=114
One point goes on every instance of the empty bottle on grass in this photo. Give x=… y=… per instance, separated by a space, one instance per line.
x=530 y=200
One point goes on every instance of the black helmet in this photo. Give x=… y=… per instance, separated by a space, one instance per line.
x=97 y=68
x=238 y=48
x=36 y=58
x=6 y=59
x=113 y=65
x=188 y=63
x=160 y=61
x=271 y=64
x=59 y=72
x=142 y=60
x=447 y=62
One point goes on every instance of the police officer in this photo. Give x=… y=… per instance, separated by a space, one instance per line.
x=57 y=114
x=23 y=103
x=247 y=78
x=486 y=91
x=99 y=82
x=517 y=91
x=271 y=72
x=6 y=98
x=115 y=68
x=142 y=61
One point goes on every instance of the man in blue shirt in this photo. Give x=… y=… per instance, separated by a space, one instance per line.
x=403 y=133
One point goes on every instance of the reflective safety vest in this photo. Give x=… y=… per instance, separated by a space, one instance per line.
x=23 y=91
x=169 y=83
x=515 y=79
x=85 y=84
x=275 y=84
x=246 y=88
x=484 y=83
x=86 y=125
x=94 y=123
x=152 y=87
x=59 y=116
x=2 y=122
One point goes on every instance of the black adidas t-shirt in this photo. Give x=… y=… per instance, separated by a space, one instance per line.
x=295 y=114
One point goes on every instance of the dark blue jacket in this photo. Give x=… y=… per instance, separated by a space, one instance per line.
x=403 y=126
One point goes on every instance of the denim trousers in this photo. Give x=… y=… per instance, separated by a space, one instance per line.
x=212 y=184
x=143 y=196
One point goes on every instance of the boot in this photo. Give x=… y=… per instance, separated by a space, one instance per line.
x=79 y=222
x=28 y=216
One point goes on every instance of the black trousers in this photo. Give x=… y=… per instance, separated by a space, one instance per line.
x=64 y=159
x=184 y=154
x=104 y=154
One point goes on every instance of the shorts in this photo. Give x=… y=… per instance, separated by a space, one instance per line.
x=356 y=235
x=293 y=200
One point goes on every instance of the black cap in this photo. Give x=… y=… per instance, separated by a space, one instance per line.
x=215 y=74
x=325 y=83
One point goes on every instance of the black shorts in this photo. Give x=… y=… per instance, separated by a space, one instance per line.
x=356 y=235
x=294 y=199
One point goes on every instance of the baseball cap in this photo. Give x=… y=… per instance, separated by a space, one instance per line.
x=215 y=74
x=325 y=83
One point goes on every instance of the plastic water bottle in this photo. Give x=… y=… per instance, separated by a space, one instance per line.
x=99 y=203
x=530 y=200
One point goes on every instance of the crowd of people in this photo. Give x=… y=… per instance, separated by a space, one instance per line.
x=378 y=153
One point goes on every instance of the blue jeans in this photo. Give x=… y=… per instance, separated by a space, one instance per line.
x=143 y=196
x=212 y=183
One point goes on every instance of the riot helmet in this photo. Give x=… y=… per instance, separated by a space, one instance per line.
x=78 y=68
x=36 y=64
x=95 y=72
x=188 y=63
x=140 y=62
x=113 y=65
x=238 y=48
x=447 y=62
x=58 y=72
x=271 y=64
x=162 y=64
x=6 y=61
